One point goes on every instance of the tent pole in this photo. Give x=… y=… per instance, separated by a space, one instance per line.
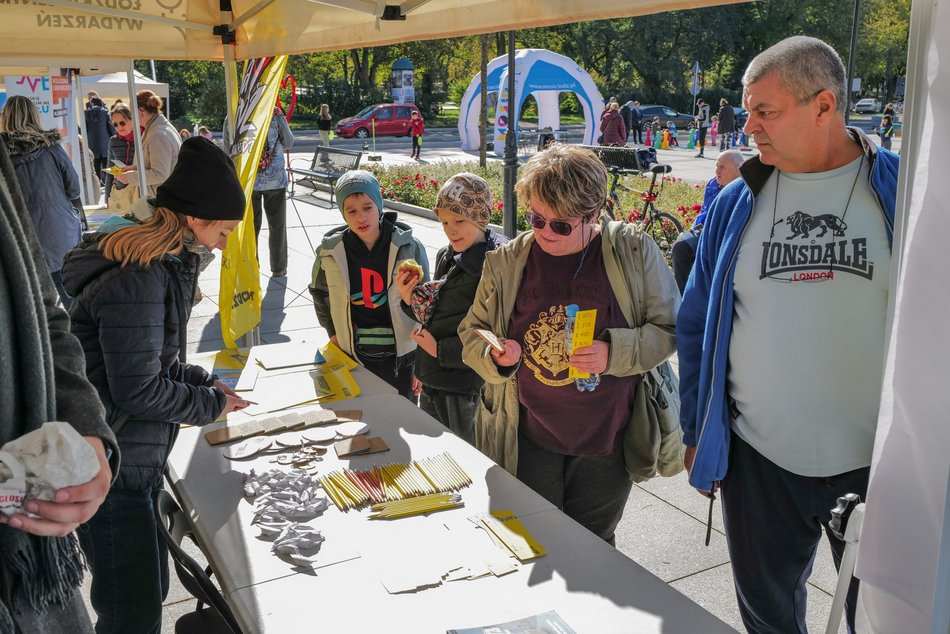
x=78 y=155
x=136 y=131
x=852 y=53
x=511 y=146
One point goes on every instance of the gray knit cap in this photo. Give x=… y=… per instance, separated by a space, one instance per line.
x=359 y=182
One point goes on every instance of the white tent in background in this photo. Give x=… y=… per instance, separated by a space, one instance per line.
x=540 y=73
x=116 y=86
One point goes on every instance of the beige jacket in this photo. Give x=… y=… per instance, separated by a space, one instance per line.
x=647 y=294
x=160 y=145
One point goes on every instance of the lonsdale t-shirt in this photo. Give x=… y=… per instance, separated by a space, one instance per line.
x=807 y=346
x=558 y=417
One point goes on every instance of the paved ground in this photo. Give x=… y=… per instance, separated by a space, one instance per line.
x=664 y=523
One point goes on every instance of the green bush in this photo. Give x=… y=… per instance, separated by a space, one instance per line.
x=419 y=184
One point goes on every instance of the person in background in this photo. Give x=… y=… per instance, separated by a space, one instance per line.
x=324 y=123
x=354 y=286
x=780 y=341
x=160 y=145
x=889 y=111
x=449 y=387
x=416 y=128
x=727 y=124
x=133 y=285
x=48 y=181
x=713 y=129
x=117 y=102
x=42 y=378
x=885 y=131
x=205 y=133
x=270 y=192
x=671 y=126
x=98 y=132
x=612 y=130
x=683 y=252
x=636 y=123
x=184 y=134
x=120 y=196
x=563 y=443
x=92 y=94
x=702 y=122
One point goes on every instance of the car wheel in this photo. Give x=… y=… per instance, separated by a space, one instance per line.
x=362 y=133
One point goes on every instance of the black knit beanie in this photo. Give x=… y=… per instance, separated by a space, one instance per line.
x=204 y=183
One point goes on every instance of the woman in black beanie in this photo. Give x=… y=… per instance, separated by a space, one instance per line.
x=133 y=285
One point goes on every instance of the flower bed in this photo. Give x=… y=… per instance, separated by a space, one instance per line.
x=419 y=184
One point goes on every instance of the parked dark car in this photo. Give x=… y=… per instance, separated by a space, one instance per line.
x=742 y=115
x=390 y=119
x=666 y=114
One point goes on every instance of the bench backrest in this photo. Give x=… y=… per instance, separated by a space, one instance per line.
x=336 y=161
x=623 y=157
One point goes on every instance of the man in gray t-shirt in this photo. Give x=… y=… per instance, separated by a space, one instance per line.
x=781 y=331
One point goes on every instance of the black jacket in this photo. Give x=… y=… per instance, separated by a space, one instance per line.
x=119 y=150
x=727 y=119
x=99 y=129
x=132 y=324
x=462 y=273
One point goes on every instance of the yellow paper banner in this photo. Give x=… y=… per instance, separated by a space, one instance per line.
x=240 y=295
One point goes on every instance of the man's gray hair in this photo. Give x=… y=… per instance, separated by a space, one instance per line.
x=805 y=66
x=732 y=156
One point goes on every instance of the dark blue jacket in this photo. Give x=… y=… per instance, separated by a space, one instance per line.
x=132 y=323
x=49 y=182
x=704 y=322
x=99 y=130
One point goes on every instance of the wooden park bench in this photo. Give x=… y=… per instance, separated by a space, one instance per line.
x=328 y=165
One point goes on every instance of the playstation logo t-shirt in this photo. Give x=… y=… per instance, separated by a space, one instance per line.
x=807 y=347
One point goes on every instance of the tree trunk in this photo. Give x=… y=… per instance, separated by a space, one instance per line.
x=483 y=109
x=501 y=47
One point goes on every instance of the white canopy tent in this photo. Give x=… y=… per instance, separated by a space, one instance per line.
x=116 y=86
x=918 y=356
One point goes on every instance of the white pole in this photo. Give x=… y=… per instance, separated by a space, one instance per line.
x=136 y=131
x=77 y=153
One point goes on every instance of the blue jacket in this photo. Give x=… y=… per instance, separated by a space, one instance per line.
x=49 y=183
x=704 y=323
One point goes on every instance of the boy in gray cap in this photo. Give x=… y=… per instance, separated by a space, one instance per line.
x=353 y=282
x=449 y=387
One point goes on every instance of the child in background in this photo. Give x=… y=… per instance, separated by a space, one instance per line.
x=449 y=387
x=713 y=128
x=206 y=133
x=353 y=284
x=671 y=126
x=885 y=131
x=416 y=127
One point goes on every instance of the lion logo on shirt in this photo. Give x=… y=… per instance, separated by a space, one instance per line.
x=801 y=223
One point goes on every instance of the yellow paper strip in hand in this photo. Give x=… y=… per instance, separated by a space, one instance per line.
x=584 y=324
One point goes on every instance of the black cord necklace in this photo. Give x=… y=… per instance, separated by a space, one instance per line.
x=847 y=205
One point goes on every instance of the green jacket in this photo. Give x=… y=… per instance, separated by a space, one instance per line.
x=648 y=296
x=330 y=287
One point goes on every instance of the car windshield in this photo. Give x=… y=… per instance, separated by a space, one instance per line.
x=362 y=113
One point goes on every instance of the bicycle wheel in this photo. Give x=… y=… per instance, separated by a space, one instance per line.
x=664 y=229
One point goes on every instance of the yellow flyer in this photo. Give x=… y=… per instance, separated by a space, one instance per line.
x=584 y=324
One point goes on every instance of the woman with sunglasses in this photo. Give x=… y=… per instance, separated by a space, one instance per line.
x=119 y=195
x=160 y=144
x=564 y=443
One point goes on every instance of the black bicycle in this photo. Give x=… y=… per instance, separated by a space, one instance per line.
x=663 y=227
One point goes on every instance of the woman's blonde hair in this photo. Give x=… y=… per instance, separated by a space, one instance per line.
x=569 y=179
x=149 y=101
x=324 y=109
x=164 y=233
x=20 y=115
x=614 y=105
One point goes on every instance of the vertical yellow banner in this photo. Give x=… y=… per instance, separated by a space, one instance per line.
x=246 y=134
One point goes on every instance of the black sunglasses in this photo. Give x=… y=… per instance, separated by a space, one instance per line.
x=557 y=226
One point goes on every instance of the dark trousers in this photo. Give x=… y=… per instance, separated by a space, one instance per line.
x=592 y=490
x=275 y=206
x=387 y=370
x=416 y=146
x=129 y=563
x=702 y=139
x=99 y=163
x=774 y=520
x=455 y=411
x=682 y=256
x=725 y=140
x=637 y=133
